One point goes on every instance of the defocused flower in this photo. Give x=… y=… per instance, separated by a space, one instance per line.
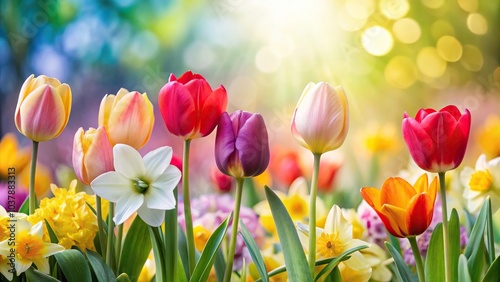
x=272 y=260
x=139 y=184
x=380 y=139
x=285 y=165
x=92 y=154
x=321 y=118
x=241 y=144
x=128 y=118
x=189 y=106
x=482 y=182
x=148 y=270
x=335 y=239
x=327 y=171
x=11 y=156
x=7 y=199
x=374 y=227
x=43 y=179
x=296 y=202
x=437 y=140
x=30 y=247
x=488 y=137
x=69 y=216
x=201 y=236
x=222 y=182
x=405 y=210
x=43 y=108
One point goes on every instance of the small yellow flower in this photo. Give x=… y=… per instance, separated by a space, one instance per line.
x=489 y=135
x=381 y=139
x=30 y=247
x=201 y=236
x=482 y=182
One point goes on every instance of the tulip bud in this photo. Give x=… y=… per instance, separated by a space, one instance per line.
x=92 y=154
x=241 y=144
x=222 y=182
x=437 y=140
x=43 y=108
x=189 y=106
x=128 y=118
x=321 y=118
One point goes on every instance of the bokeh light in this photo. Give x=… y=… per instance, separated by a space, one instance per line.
x=377 y=40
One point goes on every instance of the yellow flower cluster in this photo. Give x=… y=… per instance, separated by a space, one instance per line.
x=68 y=214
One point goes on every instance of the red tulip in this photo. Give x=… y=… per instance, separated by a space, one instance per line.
x=241 y=144
x=189 y=107
x=285 y=166
x=222 y=182
x=437 y=140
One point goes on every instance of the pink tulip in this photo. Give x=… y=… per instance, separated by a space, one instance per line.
x=437 y=140
x=321 y=118
x=92 y=154
x=43 y=108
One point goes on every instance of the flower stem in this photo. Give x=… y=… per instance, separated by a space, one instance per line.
x=110 y=260
x=187 y=207
x=158 y=250
x=32 y=196
x=312 y=214
x=118 y=243
x=446 y=237
x=234 y=230
x=170 y=242
x=100 y=228
x=418 y=258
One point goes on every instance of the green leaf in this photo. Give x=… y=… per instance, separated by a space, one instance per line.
x=25 y=207
x=477 y=233
x=434 y=262
x=204 y=265
x=477 y=263
x=101 y=270
x=170 y=242
x=334 y=276
x=123 y=278
x=454 y=236
x=493 y=271
x=182 y=246
x=220 y=265
x=34 y=275
x=254 y=252
x=135 y=250
x=333 y=264
x=181 y=274
x=490 y=237
x=403 y=269
x=74 y=265
x=463 y=270
x=295 y=259
x=158 y=251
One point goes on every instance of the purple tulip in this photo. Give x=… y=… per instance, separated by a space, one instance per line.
x=241 y=144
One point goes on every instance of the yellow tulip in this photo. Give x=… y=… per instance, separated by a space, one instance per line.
x=128 y=118
x=43 y=108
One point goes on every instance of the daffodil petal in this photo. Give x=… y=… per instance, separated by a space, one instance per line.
x=111 y=186
x=51 y=249
x=158 y=160
x=42 y=264
x=22 y=265
x=357 y=262
x=128 y=161
x=126 y=206
x=152 y=217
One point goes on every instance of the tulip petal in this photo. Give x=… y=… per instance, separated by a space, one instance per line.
x=150 y=216
x=459 y=139
x=419 y=143
x=396 y=218
x=252 y=146
x=421 y=185
x=225 y=143
x=128 y=161
x=111 y=186
x=422 y=113
x=419 y=214
x=396 y=192
x=77 y=156
x=158 y=160
x=99 y=156
x=177 y=107
x=212 y=109
x=372 y=197
x=126 y=206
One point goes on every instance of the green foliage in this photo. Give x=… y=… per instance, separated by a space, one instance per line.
x=101 y=270
x=135 y=250
x=402 y=268
x=254 y=252
x=74 y=265
x=463 y=270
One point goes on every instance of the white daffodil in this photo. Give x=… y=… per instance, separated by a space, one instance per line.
x=29 y=247
x=482 y=182
x=139 y=184
x=336 y=238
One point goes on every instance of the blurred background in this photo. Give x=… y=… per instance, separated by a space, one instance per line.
x=390 y=56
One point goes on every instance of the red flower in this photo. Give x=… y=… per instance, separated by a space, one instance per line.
x=437 y=140
x=189 y=107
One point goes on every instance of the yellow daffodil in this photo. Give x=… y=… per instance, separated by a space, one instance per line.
x=482 y=182
x=335 y=239
x=489 y=135
x=30 y=248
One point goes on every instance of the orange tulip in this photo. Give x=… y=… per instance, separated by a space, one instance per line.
x=128 y=118
x=43 y=108
x=405 y=210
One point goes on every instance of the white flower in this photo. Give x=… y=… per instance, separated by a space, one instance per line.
x=144 y=185
x=482 y=182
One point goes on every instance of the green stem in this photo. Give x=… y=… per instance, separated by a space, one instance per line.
x=170 y=242
x=158 y=248
x=118 y=244
x=100 y=228
x=446 y=237
x=490 y=234
x=110 y=255
x=234 y=229
x=32 y=196
x=187 y=207
x=418 y=258
x=312 y=214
